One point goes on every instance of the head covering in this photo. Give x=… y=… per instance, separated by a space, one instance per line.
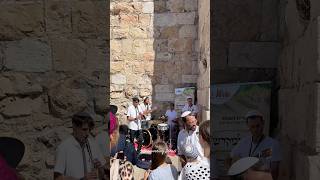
x=185 y=114
x=253 y=113
x=135 y=99
x=189 y=97
x=190 y=151
x=112 y=123
x=242 y=165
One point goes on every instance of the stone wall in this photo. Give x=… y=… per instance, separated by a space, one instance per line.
x=153 y=50
x=244 y=41
x=299 y=90
x=203 y=83
x=53 y=63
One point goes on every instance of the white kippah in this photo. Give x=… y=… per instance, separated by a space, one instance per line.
x=242 y=165
x=186 y=113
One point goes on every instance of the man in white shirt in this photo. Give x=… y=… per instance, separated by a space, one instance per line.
x=190 y=107
x=79 y=157
x=171 y=115
x=147 y=110
x=189 y=135
x=134 y=116
x=258 y=145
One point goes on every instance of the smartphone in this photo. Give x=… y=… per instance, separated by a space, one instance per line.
x=120 y=155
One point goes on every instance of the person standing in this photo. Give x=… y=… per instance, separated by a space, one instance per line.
x=258 y=145
x=191 y=107
x=172 y=116
x=134 y=116
x=146 y=107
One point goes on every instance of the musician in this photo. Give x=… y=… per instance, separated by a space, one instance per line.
x=191 y=107
x=172 y=116
x=189 y=136
x=258 y=145
x=134 y=116
x=147 y=110
x=78 y=157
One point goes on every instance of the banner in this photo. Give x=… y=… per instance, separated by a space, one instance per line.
x=230 y=103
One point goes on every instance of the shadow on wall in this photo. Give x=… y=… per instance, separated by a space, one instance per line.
x=175 y=39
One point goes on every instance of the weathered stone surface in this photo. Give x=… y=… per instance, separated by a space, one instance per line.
x=6 y=87
x=169 y=32
x=15 y=107
x=188 y=31
x=175 y=5
x=171 y=19
x=89 y=18
x=58 y=17
x=148 y=7
x=28 y=55
x=68 y=55
x=179 y=45
x=164 y=88
x=191 y=5
x=65 y=101
x=189 y=78
x=20 y=20
x=100 y=100
x=164 y=97
x=118 y=79
x=20 y=84
x=254 y=55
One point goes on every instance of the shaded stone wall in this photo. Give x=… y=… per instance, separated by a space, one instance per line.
x=299 y=90
x=203 y=82
x=245 y=40
x=153 y=50
x=53 y=63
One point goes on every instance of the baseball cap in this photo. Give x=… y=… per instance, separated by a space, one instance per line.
x=253 y=113
x=185 y=114
x=242 y=165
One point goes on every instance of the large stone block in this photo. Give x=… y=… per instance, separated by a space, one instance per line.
x=89 y=18
x=164 y=88
x=97 y=57
x=188 y=31
x=180 y=45
x=118 y=79
x=189 y=78
x=148 y=7
x=169 y=32
x=191 y=5
x=164 y=97
x=20 y=20
x=171 y=19
x=175 y=5
x=68 y=54
x=15 y=107
x=58 y=17
x=28 y=55
x=254 y=54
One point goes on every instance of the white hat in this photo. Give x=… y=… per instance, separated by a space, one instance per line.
x=189 y=97
x=242 y=165
x=185 y=114
x=253 y=113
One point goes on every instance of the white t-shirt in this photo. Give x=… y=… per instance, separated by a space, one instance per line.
x=192 y=109
x=172 y=115
x=69 y=158
x=103 y=142
x=196 y=170
x=189 y=138
x=242 y=149
x=134 y=112
x=144 y=108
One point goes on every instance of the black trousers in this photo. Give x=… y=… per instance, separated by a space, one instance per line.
x=139 y=136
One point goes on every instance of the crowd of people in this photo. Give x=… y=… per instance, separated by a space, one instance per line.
x=86 y=156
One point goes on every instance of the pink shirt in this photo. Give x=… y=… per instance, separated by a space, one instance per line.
x=6 y=172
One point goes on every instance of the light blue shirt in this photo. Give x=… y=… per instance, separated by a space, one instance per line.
x=168 y=172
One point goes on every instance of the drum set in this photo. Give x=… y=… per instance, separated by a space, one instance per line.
x=158 y=129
